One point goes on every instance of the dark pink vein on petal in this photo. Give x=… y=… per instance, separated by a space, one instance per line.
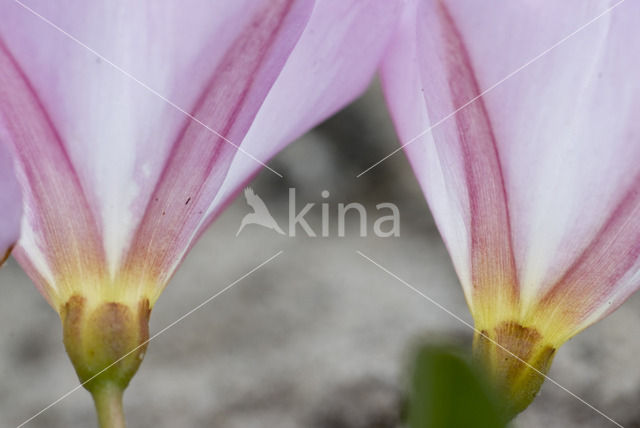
x=58 y=210
x=199 y=160
x=493 y=263
x=593 y=277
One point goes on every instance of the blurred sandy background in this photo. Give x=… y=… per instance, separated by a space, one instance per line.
x=319 y=337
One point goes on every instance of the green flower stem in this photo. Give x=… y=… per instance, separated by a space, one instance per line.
x=108 y=400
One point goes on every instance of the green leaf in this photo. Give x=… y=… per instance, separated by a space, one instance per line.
x=447 y=392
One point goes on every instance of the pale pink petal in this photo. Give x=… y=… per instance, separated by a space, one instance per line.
x=10 y=204
x=116 y=131
x=199 y=160
x=103 y=133
x=59 y=228
x=438 y=167
x=333 y=62
x=564 y=128
x=112 y=84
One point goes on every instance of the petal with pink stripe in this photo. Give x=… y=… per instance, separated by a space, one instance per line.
x=533 y=183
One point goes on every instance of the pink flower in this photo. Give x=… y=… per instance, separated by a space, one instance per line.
x=119 y=182
x=11 y=204
x=534 y=185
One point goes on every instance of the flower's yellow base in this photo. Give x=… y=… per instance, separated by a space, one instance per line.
x=106 y=342
x=516 y=359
